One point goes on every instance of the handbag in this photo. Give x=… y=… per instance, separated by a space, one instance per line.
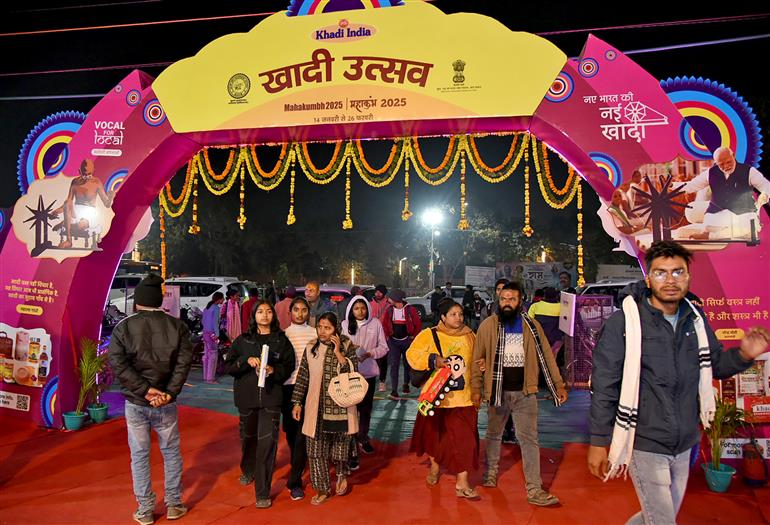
x=349 y=388
x=418 y=377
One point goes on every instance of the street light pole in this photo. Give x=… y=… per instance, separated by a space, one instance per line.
x=432 y=272
x=432 y=218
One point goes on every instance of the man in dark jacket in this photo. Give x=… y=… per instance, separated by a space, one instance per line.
x=150 y=354
x=657 y=425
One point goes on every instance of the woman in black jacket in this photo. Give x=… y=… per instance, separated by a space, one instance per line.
x=259 y=407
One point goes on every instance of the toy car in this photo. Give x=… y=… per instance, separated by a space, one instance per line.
x=440 y=383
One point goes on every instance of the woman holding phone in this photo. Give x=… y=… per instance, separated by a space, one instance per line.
x=327 y=426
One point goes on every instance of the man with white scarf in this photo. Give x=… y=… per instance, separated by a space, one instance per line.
x=652 y=383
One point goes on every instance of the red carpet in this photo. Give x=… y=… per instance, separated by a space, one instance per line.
x=84 y=477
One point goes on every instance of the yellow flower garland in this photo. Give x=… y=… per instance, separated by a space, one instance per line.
x=291 y=219
x=527 y=229
x=347 y=224
x=463 y=224
x=406 y=213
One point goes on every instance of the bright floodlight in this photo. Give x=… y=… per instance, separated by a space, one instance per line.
x=432 y=217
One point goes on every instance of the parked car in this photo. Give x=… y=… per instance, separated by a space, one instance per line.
x=606 y=287
x=422 y=302
x=194 y=292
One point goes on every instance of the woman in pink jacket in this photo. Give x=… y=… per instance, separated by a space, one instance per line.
x=366 y=333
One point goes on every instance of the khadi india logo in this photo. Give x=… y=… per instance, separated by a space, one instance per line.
x=344 y=31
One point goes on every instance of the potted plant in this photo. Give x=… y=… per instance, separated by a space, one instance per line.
x=91 y=363
x=97 y=410
x=728 y=418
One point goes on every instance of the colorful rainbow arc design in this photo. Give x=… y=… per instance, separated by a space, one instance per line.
x=609 y=166
x=45 y=150
x=312 y=7
x=715 y=116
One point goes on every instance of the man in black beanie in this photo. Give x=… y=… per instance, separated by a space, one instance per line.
x=150 y=354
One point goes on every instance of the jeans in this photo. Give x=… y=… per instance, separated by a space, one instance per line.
x=259 y=445
x=524 y=409
x=660 y=481
x=365 y=411
x=139 y=421
x=397 y=352
x=295 y=439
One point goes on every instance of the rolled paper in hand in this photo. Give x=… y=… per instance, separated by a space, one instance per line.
x=263 y=366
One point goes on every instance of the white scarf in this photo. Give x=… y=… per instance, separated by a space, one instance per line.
x=628 y=407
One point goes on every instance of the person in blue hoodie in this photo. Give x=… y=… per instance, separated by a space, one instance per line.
x=652 y=383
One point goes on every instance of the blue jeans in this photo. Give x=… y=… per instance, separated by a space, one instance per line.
x=139 y=421
x=660 y=481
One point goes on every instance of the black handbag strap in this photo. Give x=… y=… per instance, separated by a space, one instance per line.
x=433 y=332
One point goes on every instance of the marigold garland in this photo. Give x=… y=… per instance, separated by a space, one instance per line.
x=527 y=229
x=194 y=229
x=502 y=172
x=377 y=178
x=268 y=174
x=183 y=195
x=186 y=192
x=406 y=213
x=241 y=220
x=450 y=153
x=347 y=224
x=441 y=175
x=463 y=224
x=162 y=221
x=217 y=187
x=291 y=219
x=581 y=281
x=210 y=171
x=327 y=174
x=553 y=202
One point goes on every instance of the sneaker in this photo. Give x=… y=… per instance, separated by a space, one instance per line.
x=405 y=389
x=490 y=480
x=246 y=479
x=353 y=464
x=367 y=448
x=542 y=498
x=382 y=387
x=144 y=518
x=263 y=503
x=297 y=494
x=174 y=512
x=394 y=396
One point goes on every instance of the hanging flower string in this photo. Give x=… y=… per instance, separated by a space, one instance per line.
x=581 y=280
x=527 y=229
x=347 y=224
x=291 y=219
x=554 y=197
x=194 y=229
x=463 y=224
x=162 y=221
x=406 y=213
x=241 y=215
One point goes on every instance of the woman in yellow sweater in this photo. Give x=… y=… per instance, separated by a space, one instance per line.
x=449 y=437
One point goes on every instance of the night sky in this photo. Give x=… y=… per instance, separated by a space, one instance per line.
x=737 y=64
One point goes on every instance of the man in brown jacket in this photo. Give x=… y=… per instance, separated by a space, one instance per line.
x=515 y=348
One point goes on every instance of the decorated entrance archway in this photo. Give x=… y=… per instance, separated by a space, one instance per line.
x=380 y=72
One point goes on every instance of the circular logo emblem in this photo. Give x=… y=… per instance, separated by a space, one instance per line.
x=238 y=86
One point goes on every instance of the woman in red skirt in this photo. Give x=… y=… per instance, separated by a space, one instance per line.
x=450 y=436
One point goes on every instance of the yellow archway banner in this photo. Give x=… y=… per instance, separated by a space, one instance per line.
x=366 y=66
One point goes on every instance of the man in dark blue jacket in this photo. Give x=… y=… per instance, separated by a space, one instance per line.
x=150 y=354
x=666 y=407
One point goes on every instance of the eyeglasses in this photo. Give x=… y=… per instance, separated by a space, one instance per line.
x=661 y=276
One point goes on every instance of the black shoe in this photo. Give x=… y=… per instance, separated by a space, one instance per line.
x=353 y=464
x=405 y=389
x=393 y=396
x=246 y=479
x=367 y=447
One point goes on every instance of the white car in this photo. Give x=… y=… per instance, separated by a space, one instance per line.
x=422 y=302
x=193 y=291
